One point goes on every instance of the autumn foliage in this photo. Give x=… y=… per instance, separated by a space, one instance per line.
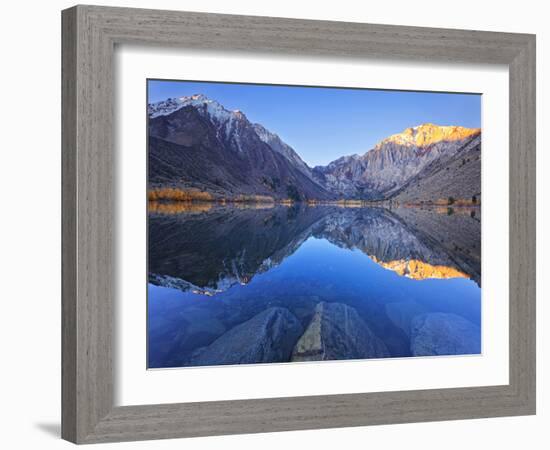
x=180 y=195
x=178 y=207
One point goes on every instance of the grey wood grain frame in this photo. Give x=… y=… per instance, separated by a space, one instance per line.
x=90 y=34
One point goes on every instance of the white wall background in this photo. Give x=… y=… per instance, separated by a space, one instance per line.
x=30 y=226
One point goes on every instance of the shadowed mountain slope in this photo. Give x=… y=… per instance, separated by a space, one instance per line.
x=193 y=148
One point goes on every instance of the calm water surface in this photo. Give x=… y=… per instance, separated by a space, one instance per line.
x=232 y=285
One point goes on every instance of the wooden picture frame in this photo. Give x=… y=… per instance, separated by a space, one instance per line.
x=90 y=34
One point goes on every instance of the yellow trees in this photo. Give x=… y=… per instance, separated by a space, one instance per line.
x=176 y=194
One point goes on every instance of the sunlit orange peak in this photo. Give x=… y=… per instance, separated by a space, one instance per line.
x=419 y=270
x=428 y=134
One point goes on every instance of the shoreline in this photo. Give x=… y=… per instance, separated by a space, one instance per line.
x=341 y=203
x=189 y=195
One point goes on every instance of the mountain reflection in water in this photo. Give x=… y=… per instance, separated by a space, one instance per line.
x=273 y=283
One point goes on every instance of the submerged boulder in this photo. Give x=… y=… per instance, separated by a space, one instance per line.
x=444 y=334
x=267 y=337
x=337 y=332
x=403 y=312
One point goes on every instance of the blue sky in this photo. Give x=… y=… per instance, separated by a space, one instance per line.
x=322 y=124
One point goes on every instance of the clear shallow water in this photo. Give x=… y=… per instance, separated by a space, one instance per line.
x=241 y=285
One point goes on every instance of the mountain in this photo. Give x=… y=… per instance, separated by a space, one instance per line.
x=446 y=179
x=382 y=171
x=197 y=144
x=276 y=143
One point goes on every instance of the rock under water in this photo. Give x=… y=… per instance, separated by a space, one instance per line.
x=336 y=331
x=444 y=334
x=267 y=337
x=403 y=312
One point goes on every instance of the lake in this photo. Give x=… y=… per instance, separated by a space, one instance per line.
x=266 y=283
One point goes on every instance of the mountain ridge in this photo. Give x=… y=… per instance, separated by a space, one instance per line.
x=381 y=173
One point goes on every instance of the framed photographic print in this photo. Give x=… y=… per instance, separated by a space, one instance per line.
x=267 y=222
x=259 y=256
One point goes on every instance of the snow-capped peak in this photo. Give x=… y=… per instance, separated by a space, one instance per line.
x=200 y=101
x=227 y=122
x=196 y=97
